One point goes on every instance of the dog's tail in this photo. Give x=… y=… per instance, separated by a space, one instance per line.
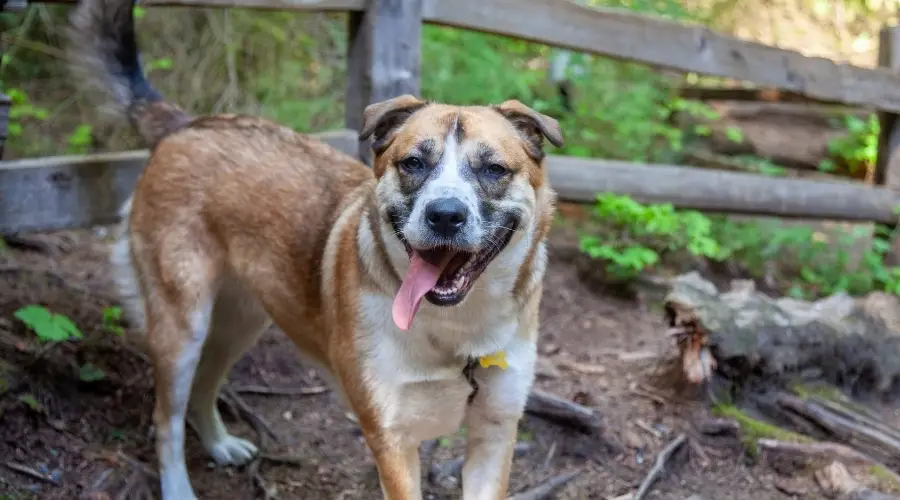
x=103 y=56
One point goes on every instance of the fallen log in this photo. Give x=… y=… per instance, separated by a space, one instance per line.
x=853 y=343
x=564 y=412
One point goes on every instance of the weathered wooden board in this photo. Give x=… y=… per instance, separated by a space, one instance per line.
x=79 y=191
x=624 y=35
x=302 y=5
x=580 y=180
x=5 y=103
x=69 y=192
x=383 y=59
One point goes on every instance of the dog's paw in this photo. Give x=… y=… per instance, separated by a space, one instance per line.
x=233 y=451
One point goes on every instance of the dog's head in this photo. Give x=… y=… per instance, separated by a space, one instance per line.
x=455 y=183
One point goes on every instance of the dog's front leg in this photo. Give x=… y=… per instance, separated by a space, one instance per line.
x=492 y=424
x=397 y=458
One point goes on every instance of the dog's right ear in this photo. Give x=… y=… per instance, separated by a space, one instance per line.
x=381 y=119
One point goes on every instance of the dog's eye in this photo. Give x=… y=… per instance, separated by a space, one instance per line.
x=495 y=170
x=412 y=164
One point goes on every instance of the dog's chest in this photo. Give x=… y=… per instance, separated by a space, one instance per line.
x=416 y=377
x=421 y=401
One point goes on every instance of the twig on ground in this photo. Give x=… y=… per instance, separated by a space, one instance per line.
x=282 y=459
x=659 y=466
x=564 y=412
x=650 y=430
x=280 y=391
x=137 y=464
x=550 y=454
x=258 y=483
x=651 y=395
x=719 y=426
x=136 y=487
x=28 y=471
x=586 y=368
x=258 y=423
x=545 y=489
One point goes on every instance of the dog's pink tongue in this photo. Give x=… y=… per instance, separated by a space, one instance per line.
x=420 y=278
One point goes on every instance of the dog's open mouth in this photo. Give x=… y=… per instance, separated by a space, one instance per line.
x=443 y=275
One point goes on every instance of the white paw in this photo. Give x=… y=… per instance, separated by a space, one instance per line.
x=233 y=451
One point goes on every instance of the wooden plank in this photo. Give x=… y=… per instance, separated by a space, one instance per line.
x=628 y=36
x=765 y=94
x=13 y=5
x=383 y=58
x=887 y=165
x=688 y=48
x=887 y=169
x=297 y=5
x=5 y=103
x=80 y=191
x=63 y=192
x=579 y=180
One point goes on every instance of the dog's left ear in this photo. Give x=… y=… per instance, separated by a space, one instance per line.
x=381 y=119
x=533 y=126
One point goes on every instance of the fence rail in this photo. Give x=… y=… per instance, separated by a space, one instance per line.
x=82 y=191
x=634 y=37
x=384 y=35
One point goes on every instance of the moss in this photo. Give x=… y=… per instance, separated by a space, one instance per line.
x=825 y=392
x=884 y=476
x=753 y=429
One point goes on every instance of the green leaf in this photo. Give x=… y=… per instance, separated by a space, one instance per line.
x=90 y=373
x=48 y=327
x=734 y=134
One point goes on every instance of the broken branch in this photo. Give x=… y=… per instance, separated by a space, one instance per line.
x=659 y=466
x=564 y=412
x=280 y=391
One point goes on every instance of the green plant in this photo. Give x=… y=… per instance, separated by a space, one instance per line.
x=858 y=149
x=80 y=139
x=111 y=318
x=637 y=235
x=88 y=372
x=48 y=326
x=21 y=110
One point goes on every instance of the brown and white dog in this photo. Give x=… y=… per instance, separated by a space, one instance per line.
x=238 y=222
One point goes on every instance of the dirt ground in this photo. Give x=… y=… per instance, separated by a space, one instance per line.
x=76 y=439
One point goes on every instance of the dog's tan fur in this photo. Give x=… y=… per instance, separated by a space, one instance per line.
x=238 y=222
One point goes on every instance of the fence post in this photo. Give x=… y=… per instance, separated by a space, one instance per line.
x=887 y=167
x=383 y=57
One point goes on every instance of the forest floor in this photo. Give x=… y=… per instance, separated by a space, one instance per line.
x=65 y=438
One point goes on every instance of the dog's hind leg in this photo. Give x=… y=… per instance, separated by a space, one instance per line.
x=177 y=326
x=238 y=320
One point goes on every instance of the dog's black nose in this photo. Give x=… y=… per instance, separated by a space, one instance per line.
x=446 y=216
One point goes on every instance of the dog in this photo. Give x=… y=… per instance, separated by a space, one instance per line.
x=413 y=285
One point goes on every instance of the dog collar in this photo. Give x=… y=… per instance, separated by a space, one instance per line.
x=497 y=359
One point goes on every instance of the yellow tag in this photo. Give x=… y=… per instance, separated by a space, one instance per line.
x=496 y=359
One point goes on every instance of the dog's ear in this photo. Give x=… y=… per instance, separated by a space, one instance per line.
x=533 y=126
x=381 y=119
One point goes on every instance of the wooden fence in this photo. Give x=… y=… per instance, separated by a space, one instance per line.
x=68 y=192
